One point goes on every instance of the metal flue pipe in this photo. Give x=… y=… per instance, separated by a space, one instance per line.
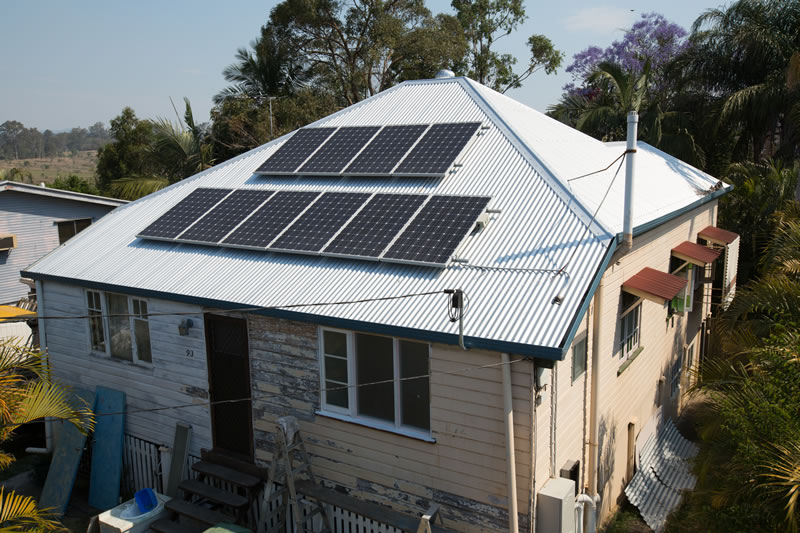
x=630 y=168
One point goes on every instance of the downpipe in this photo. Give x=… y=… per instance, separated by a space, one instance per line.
x=591 y=516
x=508 y=416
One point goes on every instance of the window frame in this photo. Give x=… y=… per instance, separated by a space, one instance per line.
x=635 y=307
x=75 y=229
x=104 y=320
x=582 y=338
x=351 y=414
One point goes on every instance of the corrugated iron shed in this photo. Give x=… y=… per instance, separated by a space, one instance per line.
x=655 y=282
x=529 y=272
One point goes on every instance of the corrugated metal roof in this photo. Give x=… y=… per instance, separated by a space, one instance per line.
x=510 y=281
x=696 y=253
x=656 y=488
x=716 y=234
x=59 y=193
x=655 y=282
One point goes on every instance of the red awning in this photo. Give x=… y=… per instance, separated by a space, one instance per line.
x=654 y=285
x=695 y=253
x=718 y=235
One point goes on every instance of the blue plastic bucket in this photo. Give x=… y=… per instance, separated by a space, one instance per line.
x=146 y=500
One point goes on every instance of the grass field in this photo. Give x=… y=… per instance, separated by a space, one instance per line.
x=47 y=170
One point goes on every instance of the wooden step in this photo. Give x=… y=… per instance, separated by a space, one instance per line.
x=197 y=512
x=168 y=526
x=236 y=462
x=213 y=494
x=227 y=474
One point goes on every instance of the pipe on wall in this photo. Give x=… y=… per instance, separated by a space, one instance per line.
x=48 y=423
x=630 y=169
x=594 y=417
x=508 y=412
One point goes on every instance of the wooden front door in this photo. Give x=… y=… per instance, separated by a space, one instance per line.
x=229 y=379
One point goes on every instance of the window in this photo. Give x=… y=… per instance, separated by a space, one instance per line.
x=69 y=228
x=684 y=301
x=675 y=377
x=578 y=358
x=629 y=324
x=371 y=379
x=124 y=322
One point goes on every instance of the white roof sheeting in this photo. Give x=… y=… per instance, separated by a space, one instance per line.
x=520 y=161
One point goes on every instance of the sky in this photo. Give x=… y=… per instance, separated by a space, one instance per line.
x=68 y=64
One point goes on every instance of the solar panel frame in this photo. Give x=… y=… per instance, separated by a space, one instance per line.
x=373 y=209
x=413 y=157
x=342 y=152
x=213 y=197
x=477 y=206
x=259 y=197
x=376 y=144
x=299 y=201
x=345 y=205
x=289 y=146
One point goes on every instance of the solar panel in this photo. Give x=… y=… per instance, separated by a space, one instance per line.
x=320 y=222
x=339 y=150
x=294 y=151
x=374 y=227
x=270 y=219
x=386 y=149
x=225 y=216
x=438 y=229
x=173 y=222
x=438 y=149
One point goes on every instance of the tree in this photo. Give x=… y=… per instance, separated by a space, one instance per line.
x=128 y=155
x=9 y=131
x=175 y=152
x=24 y=399
x=74 y=183
x=487 y=21
x=748 y=56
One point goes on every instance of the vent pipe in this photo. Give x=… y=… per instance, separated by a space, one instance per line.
x=630 y=168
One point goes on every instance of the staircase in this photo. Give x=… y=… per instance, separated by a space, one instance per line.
x=203 y=505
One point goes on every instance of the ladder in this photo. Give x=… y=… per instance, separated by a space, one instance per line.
x=290 y=459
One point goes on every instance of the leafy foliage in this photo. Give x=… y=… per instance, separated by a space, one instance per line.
x=74 y=183
x=24 y=399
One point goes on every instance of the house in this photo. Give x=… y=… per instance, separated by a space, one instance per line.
x=458 y=320
x=33 y=221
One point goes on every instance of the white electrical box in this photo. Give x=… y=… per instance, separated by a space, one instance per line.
x=555 y=508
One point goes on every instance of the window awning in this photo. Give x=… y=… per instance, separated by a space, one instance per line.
x=9 y=312
x=717 y=235
x=654 y=285
x=695 y=253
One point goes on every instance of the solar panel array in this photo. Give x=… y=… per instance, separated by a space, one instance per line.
x=404 y=228
x=412 y=150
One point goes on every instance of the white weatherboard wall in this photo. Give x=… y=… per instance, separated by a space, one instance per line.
x=174 y=378
x=464 y=470
x=32 y=218
x=635 y=394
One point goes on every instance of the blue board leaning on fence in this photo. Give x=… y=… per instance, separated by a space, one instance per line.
x=106 y=475
x=66 y=459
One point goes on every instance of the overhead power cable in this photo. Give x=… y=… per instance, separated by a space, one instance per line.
x=233 y=310
x=260 y=397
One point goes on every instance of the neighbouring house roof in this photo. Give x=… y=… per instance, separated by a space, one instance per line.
x=719 y=235
x=653 y=282
x=59 y=193
x=530 y=271
x=695 y=253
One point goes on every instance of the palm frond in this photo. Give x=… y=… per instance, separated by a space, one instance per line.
x=134 y=188
x=43 y=399
x=783 y=477
x=20 y=513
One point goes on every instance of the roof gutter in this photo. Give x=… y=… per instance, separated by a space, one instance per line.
x=526 y=350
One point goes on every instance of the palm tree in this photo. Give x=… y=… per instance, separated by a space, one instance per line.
x=24 y=399
x=178 y=151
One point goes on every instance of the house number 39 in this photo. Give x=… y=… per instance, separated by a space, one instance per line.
x=189 y=353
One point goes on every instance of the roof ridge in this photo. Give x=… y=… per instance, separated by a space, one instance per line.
x=544 y=169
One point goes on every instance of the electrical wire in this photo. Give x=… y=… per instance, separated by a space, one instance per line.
x=462 y=370
x=224 y=311
x=621 y=160
x=604 y=169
